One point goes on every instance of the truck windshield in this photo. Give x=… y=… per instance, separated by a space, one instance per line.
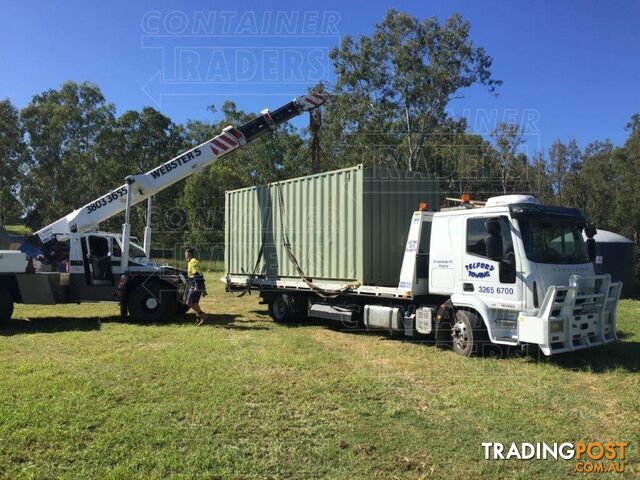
x=135 y=250
x=553 y=242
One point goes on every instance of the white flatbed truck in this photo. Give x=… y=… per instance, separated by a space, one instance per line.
x=509 y=271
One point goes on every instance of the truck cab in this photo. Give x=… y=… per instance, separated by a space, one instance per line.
x=87 y=267
x=524 y=269
x=95 y=264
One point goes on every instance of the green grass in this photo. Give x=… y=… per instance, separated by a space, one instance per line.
x=86 y=395
x=17 y=229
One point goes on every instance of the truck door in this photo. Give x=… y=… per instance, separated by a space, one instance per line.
x=98 y=260
x=489 y=268
x=116 y=257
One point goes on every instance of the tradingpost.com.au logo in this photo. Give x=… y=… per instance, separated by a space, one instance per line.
x=592 y=457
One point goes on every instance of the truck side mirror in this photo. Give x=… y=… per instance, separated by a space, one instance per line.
x=591 y=249
x=507 y=268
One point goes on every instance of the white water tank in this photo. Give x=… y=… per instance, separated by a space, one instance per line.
x=615 y=255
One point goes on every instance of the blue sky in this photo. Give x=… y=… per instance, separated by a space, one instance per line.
x=570 y=69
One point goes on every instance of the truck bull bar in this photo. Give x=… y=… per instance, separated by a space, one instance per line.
x=574 y=317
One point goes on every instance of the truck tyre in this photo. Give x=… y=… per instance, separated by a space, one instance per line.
x=468 y=333
x=6 y=305
x=280 y=309
x=151 y=302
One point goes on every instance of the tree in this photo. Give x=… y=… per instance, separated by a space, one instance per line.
x=63 y=127
x=634 y=127
x=140 y=141
x=628 y=211
x=540 y=184
x=563 y=160
x=464 y=163
x=13 y=158
x=203 y=202
x=393 y=87
x=591 y=185
x=512 y=165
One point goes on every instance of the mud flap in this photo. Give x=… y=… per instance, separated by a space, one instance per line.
x=442 y=328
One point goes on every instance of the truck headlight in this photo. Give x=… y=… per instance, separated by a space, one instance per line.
x=557 y=326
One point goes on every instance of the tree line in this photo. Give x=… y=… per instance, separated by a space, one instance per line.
x=388 y=107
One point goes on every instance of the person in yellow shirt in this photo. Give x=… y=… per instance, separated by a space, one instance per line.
x=197 y=286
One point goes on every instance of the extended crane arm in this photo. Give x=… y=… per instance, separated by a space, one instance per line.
x=148 y=184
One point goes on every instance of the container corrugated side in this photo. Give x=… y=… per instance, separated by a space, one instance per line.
x=344 y=225
x=390 y=198
x=322 y=218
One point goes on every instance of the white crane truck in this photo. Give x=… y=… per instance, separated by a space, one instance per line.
x=115 y=267
x=509 y=271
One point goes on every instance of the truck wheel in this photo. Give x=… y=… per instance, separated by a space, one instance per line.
x=152 y=302
x=468 y=333
x=6 y=305
x=280 y=309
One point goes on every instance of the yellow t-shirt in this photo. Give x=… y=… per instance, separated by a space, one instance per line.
x=193 y=268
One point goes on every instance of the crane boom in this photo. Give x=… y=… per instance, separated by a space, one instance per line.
x=163 y=176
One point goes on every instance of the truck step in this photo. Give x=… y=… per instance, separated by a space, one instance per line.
x=329 y=312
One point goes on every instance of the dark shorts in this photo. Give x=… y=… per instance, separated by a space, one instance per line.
x=195 y=290
x=193 y=296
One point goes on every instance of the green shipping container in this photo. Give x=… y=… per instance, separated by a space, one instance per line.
x=343 y=226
